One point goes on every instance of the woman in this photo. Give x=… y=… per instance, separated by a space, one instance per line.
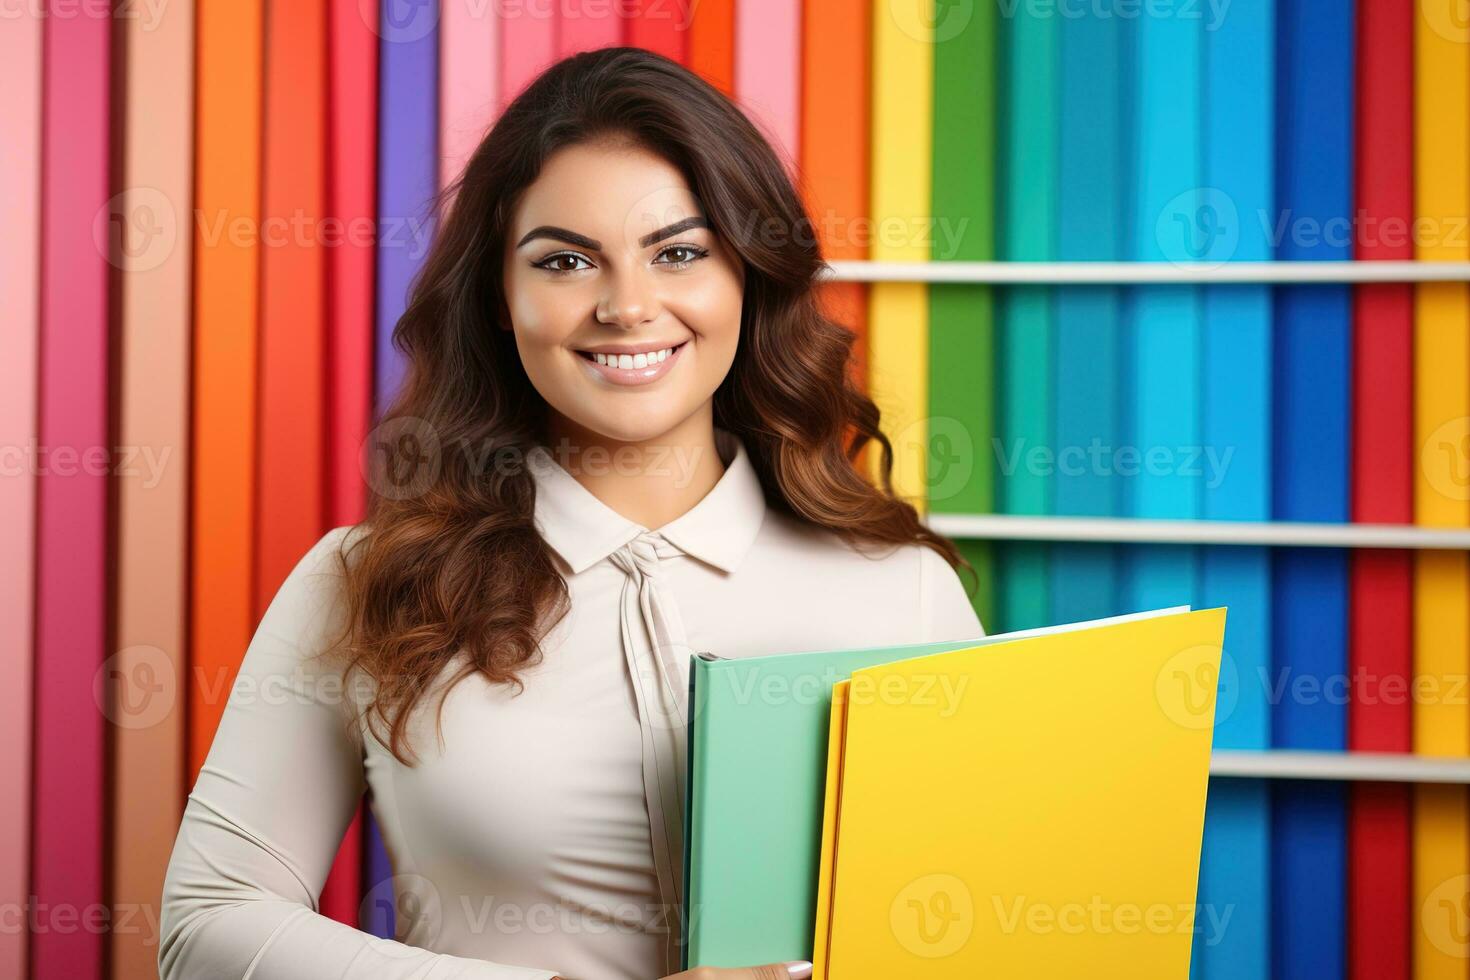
x=626 y=434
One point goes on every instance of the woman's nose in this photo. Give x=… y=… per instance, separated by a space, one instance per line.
x=630 y=300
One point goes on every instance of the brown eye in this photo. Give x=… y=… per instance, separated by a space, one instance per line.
x=562 y=262
x=681 y=255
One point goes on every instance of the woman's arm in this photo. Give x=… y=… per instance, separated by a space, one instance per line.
x=262 y=825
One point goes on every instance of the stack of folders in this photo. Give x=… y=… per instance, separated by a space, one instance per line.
x=1025 y=805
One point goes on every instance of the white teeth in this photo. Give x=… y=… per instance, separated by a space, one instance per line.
x=633 y=361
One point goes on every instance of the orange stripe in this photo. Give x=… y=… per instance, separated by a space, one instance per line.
x=291 y=505
x=227 y=188
x=835 y=124
x=712 y=43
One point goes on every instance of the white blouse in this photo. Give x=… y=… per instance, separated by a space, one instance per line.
x=542 y=834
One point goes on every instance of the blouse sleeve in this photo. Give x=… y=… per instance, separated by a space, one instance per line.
x=282 y=780
x=944 y=607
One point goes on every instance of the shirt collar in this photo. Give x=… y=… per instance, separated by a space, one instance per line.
x=718 y=530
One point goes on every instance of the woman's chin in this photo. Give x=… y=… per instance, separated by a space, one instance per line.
x=626 y=424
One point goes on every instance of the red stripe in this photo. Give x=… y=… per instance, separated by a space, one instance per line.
x=660 y=27
x=351 y=191
x=1381 y=617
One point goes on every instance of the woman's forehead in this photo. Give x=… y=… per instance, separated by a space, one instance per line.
x=621 y=193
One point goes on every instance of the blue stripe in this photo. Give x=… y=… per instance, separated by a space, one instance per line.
x=1163 y=322
x=1234 y=939
x=1310 y=476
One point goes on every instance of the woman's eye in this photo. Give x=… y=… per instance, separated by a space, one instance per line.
x=681 y=255
x=563 y=262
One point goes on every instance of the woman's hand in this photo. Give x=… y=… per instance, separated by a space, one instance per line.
x=792 y=970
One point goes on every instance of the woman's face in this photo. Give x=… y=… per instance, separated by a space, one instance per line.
x=625 y=306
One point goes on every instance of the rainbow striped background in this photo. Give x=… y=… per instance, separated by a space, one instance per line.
x=212 y=211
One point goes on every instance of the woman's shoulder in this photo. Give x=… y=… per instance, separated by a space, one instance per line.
x=328 y=554
x=308 y=602
x=909 y=579
x=789 y=541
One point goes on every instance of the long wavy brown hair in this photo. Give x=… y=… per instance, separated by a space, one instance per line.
x=456 y=565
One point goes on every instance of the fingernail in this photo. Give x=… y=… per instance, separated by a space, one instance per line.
x=799 y=969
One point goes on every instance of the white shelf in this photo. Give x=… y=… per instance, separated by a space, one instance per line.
x=1130 y=530
x=1141 y=273
x=1378 y=767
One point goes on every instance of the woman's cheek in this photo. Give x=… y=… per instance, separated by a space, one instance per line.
x=712 y=310
x=544 y=318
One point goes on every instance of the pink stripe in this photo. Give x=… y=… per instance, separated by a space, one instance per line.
x=72 y=523
x=469 y=75
x=768 y=69
x=20 y=216
x=527 y=44
x=586 y=25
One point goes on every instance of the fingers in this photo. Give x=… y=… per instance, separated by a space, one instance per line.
x=793 y=970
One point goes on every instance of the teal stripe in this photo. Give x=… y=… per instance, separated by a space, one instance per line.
x=1084 y=577
x=1028 y=182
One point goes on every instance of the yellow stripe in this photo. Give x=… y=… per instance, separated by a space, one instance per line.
x=898 y=324
x=1441 y=496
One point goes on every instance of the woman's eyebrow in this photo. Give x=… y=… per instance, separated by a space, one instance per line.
x=582 y=241
x=684 y=224
x=561 y=234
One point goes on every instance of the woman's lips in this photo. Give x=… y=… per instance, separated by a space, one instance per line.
x=652 y=368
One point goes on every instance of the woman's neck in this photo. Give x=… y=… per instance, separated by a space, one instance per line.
x=650 y=482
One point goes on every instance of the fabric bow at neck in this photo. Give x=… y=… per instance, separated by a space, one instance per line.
x=657 y=654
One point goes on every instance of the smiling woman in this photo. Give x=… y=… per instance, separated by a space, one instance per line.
x=595 y=287
x=626 y=434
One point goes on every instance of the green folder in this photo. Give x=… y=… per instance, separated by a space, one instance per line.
x=757 y=772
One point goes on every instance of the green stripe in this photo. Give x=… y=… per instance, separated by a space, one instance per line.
x=961 y=471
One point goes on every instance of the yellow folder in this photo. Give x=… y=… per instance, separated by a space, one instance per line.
x=1026 y=809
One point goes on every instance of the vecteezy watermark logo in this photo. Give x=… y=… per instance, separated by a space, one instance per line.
x=407 y=904
x=401 y=458
x=137 y=229
x=137 y=687
x=943 y=447
x=1207 y=463
x=1211 y=12
x=1193 y=680
x=1445 y=458
x=931 y=21
x=1100 y=917
x=1198 y=227
x=1445 y=916
x=1450 y=19
x=933 y=916
x=400 y=21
